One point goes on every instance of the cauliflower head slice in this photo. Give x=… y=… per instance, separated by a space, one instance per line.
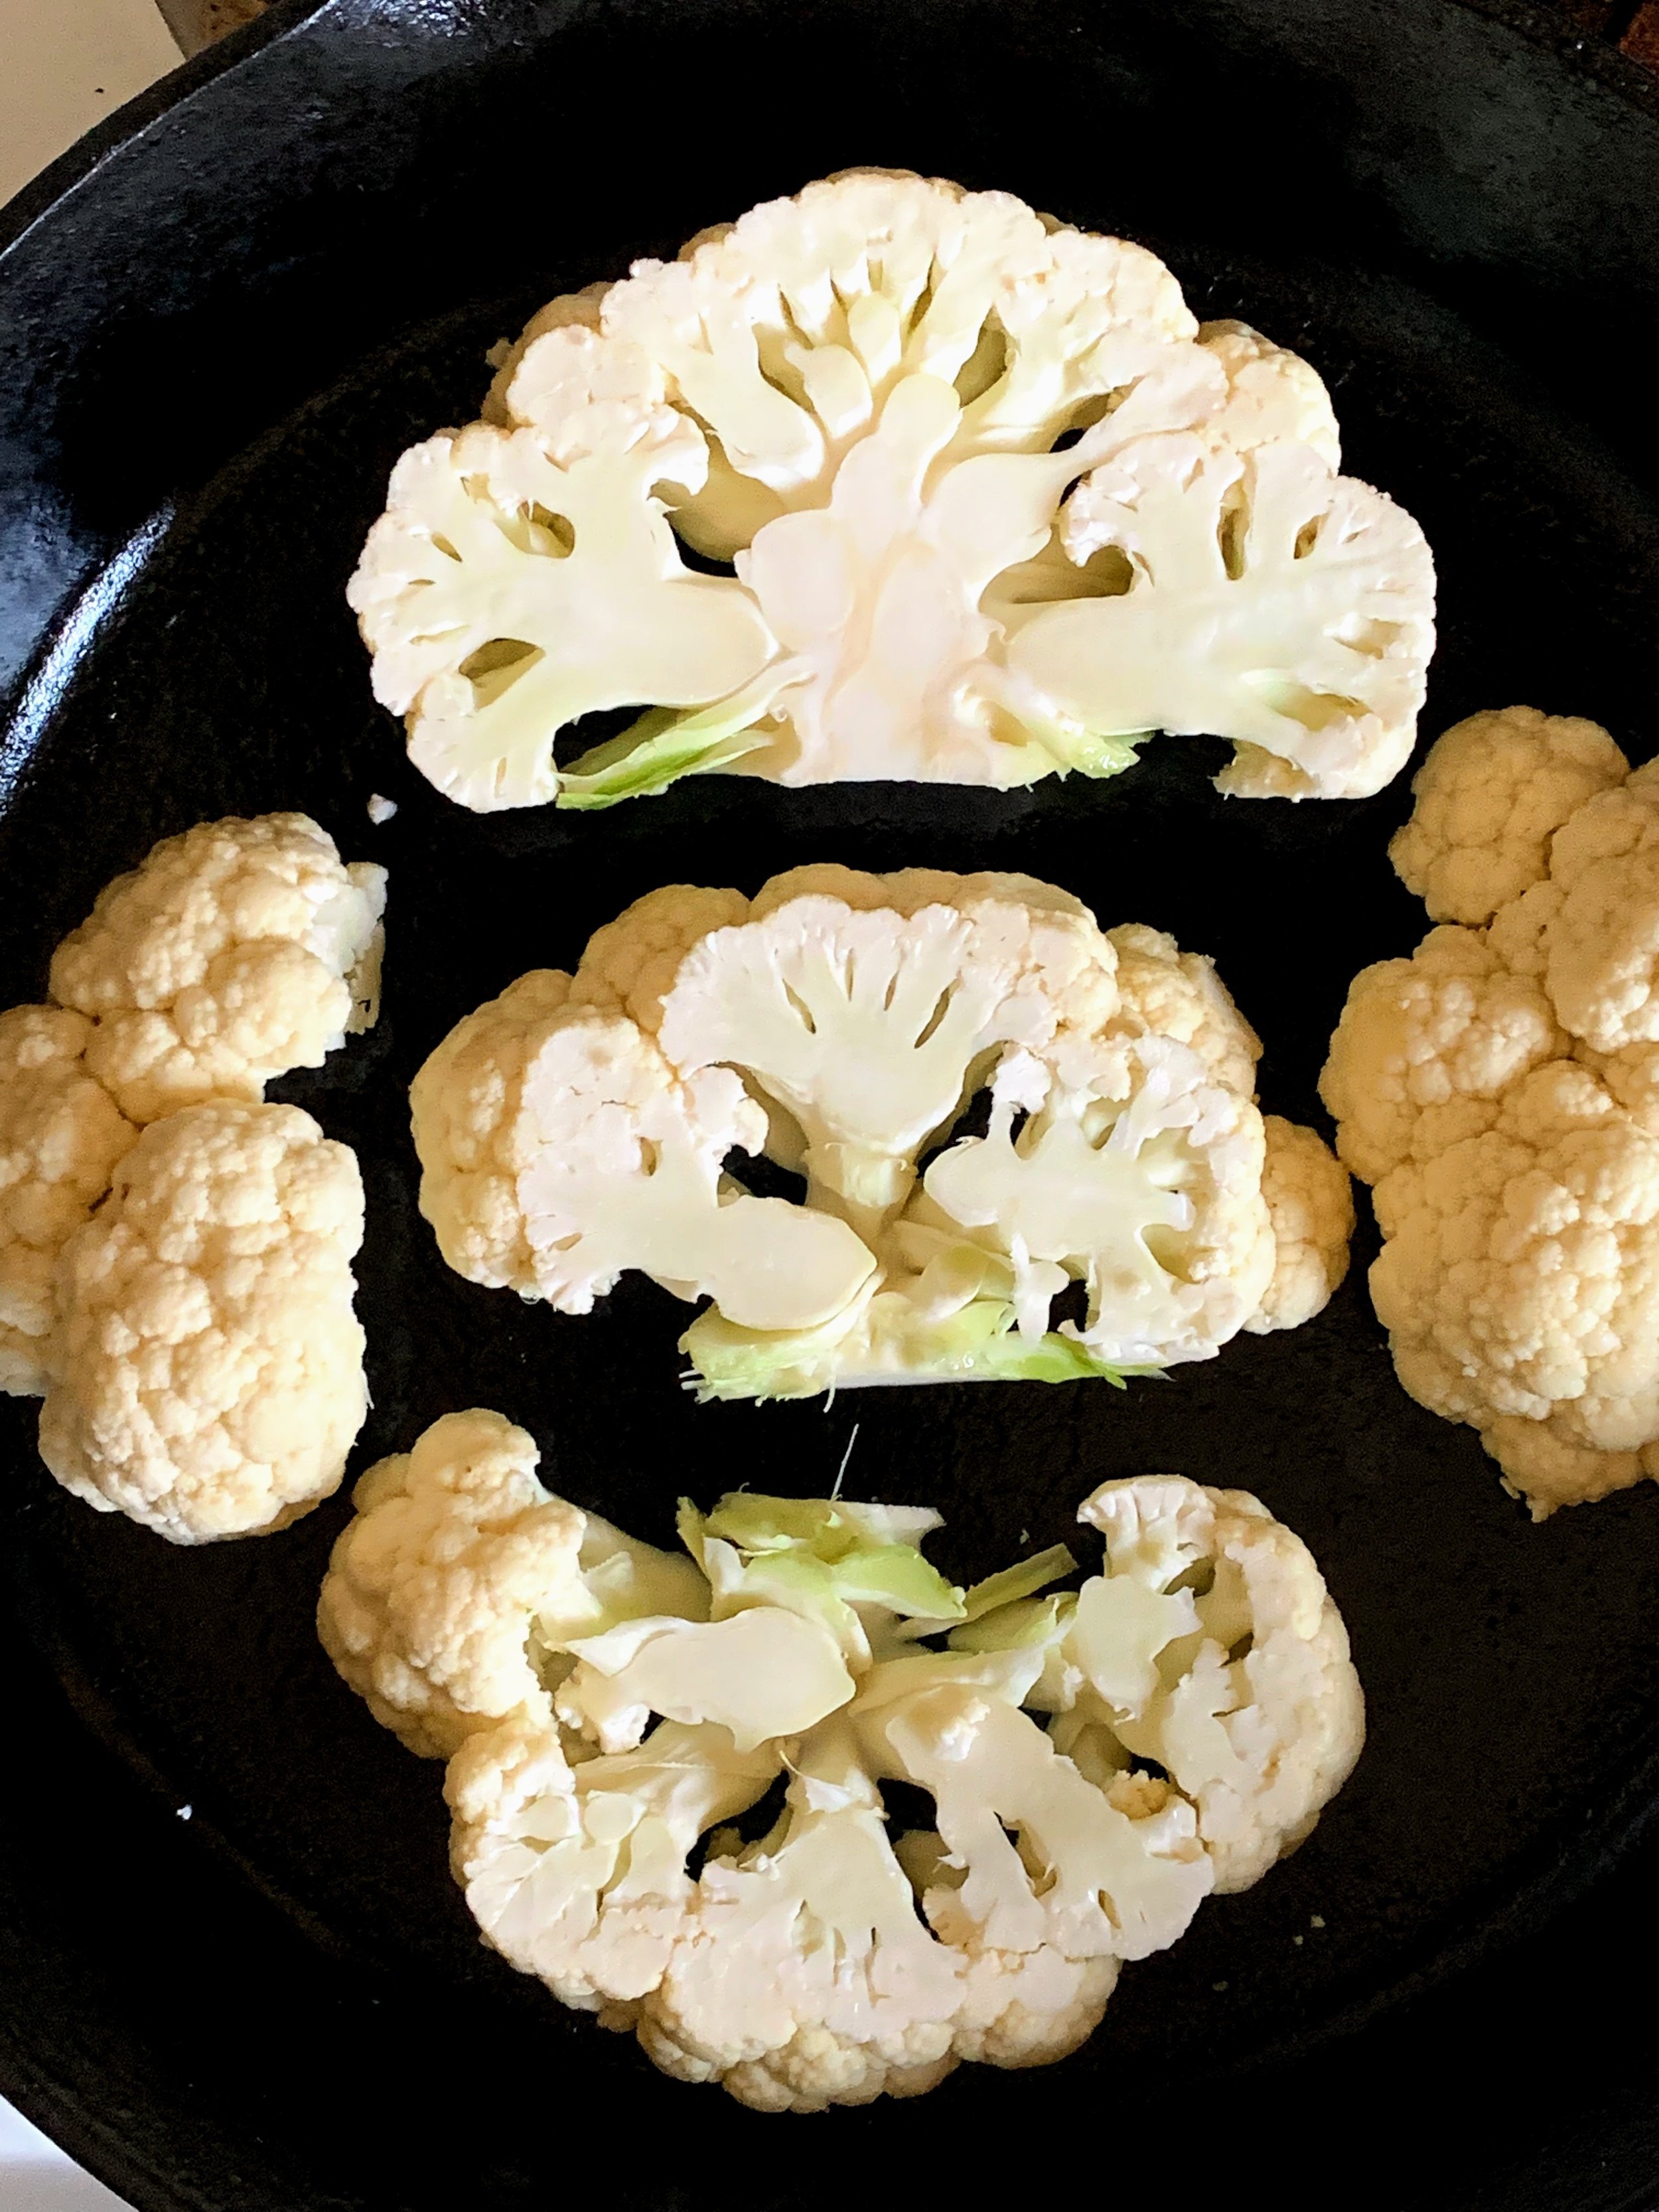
x=873 y=399
x=459 y=1579
x=61 y=1138
x=206 y=1370
x=1131 y=1174
x=1310 y=1205
x=1244 y=1692
x=235 y=953
x=1490 y=796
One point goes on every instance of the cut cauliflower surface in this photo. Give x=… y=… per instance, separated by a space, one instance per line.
x=840 y=1025
x=1498 y=1088
x=996 y=507
x=61 y=1138
x=206 y=1368
x=600 y=1748
x=236 y=951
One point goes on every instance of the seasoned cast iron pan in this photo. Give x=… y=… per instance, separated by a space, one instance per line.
x=222 y=319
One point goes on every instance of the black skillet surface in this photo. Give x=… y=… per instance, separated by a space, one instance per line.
x=218 y=336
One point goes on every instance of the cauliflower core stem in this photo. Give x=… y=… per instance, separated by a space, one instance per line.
x=839 y=1024
x=607 y=1710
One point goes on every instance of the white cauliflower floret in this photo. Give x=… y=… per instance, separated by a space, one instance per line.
x=1131 y=1174
x=841 y=1024
x=61 y=1136
x=458 y=1576
x=1426 y=1048
x=1310 y=1207
x=874 y=399
x=237 y=951
x=1255 y=1711
x=1490 y=798
x=207 y=1374
x=1501 y=1088
x=822 y=1963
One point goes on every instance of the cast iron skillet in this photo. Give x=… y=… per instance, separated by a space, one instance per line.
x=233 y=1971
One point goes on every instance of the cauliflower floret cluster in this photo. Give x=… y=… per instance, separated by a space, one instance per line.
x=609 y=1711
x=839 y=1028
x=207 y=1370
x=237 y=951
x=1500 y=1090
x=997 y=506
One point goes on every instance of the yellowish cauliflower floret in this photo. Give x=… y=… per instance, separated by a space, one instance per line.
x=61 y=1135
x=828 y=1961
x=1501 y=1090
x=456 y=1562
x=1310 y=1205
x=237 y=951
x=1427 y=1047
x=207 y=1374
x=840 y=1024
x=1490 y=797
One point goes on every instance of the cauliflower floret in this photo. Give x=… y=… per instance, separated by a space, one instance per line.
x=207 y=1374
x=1168 y=992
x=1311 y=1205
x=61 y=1136
x=465 y=1104
x=1490 y=797
x=459 y=1575
x=1255 y=1713
x=1520 y=1280
x=237 y=951
x=1427 y=1047
x=1131 y=1173
x=874 y=399
x=630 y=965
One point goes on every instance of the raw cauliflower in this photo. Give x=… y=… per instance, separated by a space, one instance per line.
x=206 y=1373
x=61 y=1137
x=236 y=951
x=1498 y=1088
x=998 y=509
x=840 y=1025
x=597 y=1744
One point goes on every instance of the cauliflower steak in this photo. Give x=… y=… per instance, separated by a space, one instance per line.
x=840 y=1027
x=993 y=506
x=609 y=1710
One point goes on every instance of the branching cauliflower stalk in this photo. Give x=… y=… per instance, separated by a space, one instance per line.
x=1500 y=1090
x=608 y=1711
x=192 y=1333
x=839 y=1025
x=995 y=507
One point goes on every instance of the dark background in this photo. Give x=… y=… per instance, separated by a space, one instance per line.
x=213 y=342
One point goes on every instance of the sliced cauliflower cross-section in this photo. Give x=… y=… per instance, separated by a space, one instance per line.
x=995 y=506
x=810 y=1958
x=236 y=951
x=840 y=1025
x=206 y=1370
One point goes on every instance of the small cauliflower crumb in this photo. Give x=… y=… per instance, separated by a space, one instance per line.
x=206 y=1371
x=381 y=809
